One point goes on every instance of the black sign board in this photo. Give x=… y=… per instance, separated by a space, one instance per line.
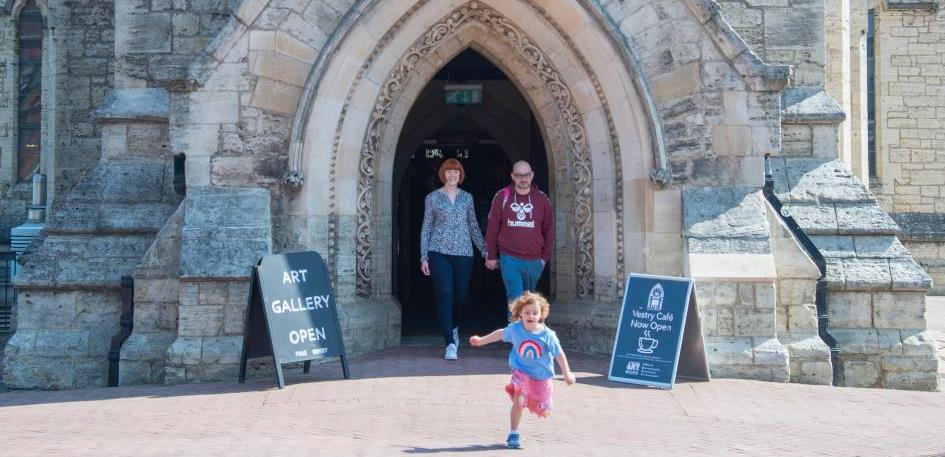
x=659 y=338
x=292 y=315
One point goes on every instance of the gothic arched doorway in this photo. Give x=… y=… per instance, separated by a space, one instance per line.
x=470 y=111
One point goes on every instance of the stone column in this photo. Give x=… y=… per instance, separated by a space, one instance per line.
x=858 y=113
x=837 y=31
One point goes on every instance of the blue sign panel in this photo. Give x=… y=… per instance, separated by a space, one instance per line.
x=650 y=332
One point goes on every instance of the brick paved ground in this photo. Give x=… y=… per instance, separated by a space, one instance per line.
x=408 y=401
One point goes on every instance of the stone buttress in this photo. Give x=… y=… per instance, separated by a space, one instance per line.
x=69 y=299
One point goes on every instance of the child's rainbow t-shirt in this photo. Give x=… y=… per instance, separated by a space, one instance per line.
x=532 y=353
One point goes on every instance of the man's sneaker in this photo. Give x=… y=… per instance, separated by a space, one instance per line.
x=513 y=441
x=451 y=352
x=456 y=335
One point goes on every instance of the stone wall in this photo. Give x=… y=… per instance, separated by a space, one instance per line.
x=910 y=110
x=156 y=40
x=77 y=76
x=787 y=32
x=223 y=233
x=910 y=128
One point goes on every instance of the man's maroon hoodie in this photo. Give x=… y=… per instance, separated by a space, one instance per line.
x=522 y=226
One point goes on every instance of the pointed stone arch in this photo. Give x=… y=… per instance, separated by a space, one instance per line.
x=338 y=119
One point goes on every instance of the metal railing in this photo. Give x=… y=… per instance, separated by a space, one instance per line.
x=7 y=293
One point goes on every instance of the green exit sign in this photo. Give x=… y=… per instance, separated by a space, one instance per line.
x=463 y=94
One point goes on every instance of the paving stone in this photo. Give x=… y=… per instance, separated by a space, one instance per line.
x=414 y=386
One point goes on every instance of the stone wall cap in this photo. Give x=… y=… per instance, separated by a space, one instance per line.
x=732 y=267
x=724 y=212
x=921 y=226
x=812 y=180
x=927 y=5
x=810 y=105
x=149 y=104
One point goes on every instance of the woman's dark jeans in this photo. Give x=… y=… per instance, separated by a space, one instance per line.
x=451 y=274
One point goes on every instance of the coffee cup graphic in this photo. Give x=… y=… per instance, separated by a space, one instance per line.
x=646 y=345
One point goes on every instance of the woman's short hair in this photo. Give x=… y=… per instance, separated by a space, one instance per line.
x=530 y=298
x=451 y=164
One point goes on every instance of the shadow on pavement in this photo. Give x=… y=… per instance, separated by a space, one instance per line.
x=403 y=361
x=469 y=448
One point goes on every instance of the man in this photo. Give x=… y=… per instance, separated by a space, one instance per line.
x=521 y=232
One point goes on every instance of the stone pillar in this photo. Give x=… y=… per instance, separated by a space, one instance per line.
x=225 y=231
x=730 y=256
x=837 y=31
x=858 y=113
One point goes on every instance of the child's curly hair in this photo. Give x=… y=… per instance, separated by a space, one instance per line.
x=530 y=298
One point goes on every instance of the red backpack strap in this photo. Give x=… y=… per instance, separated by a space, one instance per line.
x=505 y=196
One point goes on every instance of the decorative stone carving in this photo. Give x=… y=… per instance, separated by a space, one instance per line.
x=293 y=178
x=580 y=165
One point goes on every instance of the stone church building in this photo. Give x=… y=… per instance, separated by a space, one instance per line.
x=789 y=155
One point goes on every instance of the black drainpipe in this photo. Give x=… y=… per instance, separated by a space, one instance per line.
x=126 y=321
x=808 y=245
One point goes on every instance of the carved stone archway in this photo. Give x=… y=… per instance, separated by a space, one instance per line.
x=392 y=89
x=351 y=194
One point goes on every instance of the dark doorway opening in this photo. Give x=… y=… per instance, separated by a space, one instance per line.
x=487 y=127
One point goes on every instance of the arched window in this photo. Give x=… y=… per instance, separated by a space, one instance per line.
x=30 y=50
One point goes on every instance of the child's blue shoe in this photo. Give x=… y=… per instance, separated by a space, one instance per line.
x=513 y=441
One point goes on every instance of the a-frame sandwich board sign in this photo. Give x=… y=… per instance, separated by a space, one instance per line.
x=659 y=336
x=292 y=315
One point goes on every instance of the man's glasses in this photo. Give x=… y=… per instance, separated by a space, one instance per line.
x=522 y=175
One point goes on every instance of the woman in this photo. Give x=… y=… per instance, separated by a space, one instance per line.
x=449 y=230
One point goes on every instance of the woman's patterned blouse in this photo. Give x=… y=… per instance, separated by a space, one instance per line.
x=449 y=227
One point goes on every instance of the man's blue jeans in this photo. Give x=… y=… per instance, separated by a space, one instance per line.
x=451 y=274
x=519 y=275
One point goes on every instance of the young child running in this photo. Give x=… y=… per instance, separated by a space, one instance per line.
x=533 y=347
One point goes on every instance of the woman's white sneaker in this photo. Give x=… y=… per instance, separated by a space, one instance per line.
x=451 y=352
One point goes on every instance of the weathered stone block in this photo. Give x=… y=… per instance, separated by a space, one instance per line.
x=899 y=310
x=814 y=219
x=725 y=293
x=802 y=318
x=729 y=351
x=856 y=341
x=920 y=380
x=918 y=343
x=910 y=364
x=813 y=373
x=908 y=275
x=221 y=350
x=745 y=295
x=213 y=293
x=765 y=295
x=200 y=321
x=860 y=373
x=867 y=274
x=145 y=33
x=184 y=351
x=864 y=218
x=754 y=323
x=850 y=310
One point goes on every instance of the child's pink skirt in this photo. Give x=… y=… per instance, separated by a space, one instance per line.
x=536 y=394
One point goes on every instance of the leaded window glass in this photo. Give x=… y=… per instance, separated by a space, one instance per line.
x=30 y=42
